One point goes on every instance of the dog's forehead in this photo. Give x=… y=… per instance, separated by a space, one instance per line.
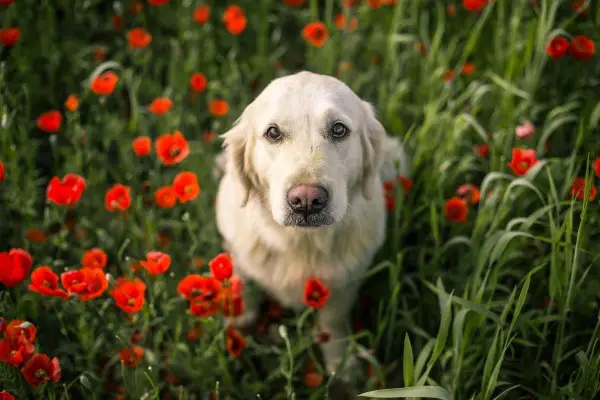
x=307 y=94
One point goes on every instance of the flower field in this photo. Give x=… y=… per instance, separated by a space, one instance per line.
x=113 y=282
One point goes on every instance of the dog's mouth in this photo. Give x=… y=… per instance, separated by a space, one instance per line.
x=308 y=221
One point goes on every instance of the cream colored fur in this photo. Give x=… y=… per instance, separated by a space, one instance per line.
x=256 y=175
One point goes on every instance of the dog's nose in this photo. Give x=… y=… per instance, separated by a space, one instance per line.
x=307 y=199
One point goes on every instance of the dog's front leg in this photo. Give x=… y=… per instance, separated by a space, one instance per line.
x=334 y=319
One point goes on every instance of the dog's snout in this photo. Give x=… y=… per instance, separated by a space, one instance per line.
x=307 y=199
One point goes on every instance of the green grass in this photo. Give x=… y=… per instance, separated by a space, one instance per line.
x=504 y=306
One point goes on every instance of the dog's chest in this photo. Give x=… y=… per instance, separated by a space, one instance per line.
x=283 y=272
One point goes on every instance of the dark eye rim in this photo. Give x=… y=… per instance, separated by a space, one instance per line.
x=271 y=139
x=343 y=135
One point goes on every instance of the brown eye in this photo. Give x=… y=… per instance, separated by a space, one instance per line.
x=273 y=134
x=339 y=130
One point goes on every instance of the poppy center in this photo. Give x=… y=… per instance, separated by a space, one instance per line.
x=131 y=302
x=319 y=34
x=12 y=353
x=196 y=292
x=47 y=284
x=523 y=164
x=188 y=189
x=175 y=151
x=315 y=295
x=40 y=374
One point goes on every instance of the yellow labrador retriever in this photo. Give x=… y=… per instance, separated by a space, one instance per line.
x=301 y=196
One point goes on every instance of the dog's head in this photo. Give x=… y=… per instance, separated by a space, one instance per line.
x=306 y=146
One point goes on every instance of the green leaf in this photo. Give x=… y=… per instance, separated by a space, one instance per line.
x=428 y=392
x=408 y=362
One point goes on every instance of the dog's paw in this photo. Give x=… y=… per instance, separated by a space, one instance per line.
x=350 y=371
x=342 y=390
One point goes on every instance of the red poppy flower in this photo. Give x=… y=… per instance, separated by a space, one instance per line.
x=557 y=47
x=580 y=7
x=202 y=14
x=578 y=189
x=597 y=166
x=315 y=293
x=3 y=325
x=467 y=69
x=95 y=283
x=118 y=198
x=470 y=193
x=4 y=3
x=218 y=107
x=322 y=337
x=72 y=103
x=45 y=282
x=18 y=330
x=474 y=5
x=74 y=281
x=451 y=10
x=234 y=19
x=340 y=23
x=221 y=267
x=117 y=22
x=132 y=356
x=522 y=161
x=2 y=176
x=165 y=197
x=186 y=186
x=234 y=342
x=208 y=136
x=312 y=378
x=156 y=262
x=481 y=150
x=99 y=53
x=157 y=2
x=94 y=258
x=198 y=82
x=129 y=295
x=4 y=395
x=201 y=288
x=456 y=210
x=142 y=146
x=160 y=105
x=104 y=84
x=294 y=3
x=448 y=75
x=203 y=309
x=172 y=148
x=14 y=267
x=50 y=121
x=15 y=352
x=236 y=285
x=582 y=48
x=10 y=36
x=40 y=369
x=67 y=191
x=315 y=33
x=138 y=38
x=232 y=306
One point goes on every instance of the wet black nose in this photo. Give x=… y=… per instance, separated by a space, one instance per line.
x=307 y=199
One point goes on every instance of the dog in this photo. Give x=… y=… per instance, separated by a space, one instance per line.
x=301 y=196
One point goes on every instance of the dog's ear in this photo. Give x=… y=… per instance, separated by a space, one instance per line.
x=238 y=143
x=372 y=139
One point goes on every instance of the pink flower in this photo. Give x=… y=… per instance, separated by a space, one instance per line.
x=526 y=130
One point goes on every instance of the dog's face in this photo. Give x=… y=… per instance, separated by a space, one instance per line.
x=306 y=146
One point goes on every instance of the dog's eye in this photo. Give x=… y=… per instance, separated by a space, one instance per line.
x=339 y=130
x=273 y=134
